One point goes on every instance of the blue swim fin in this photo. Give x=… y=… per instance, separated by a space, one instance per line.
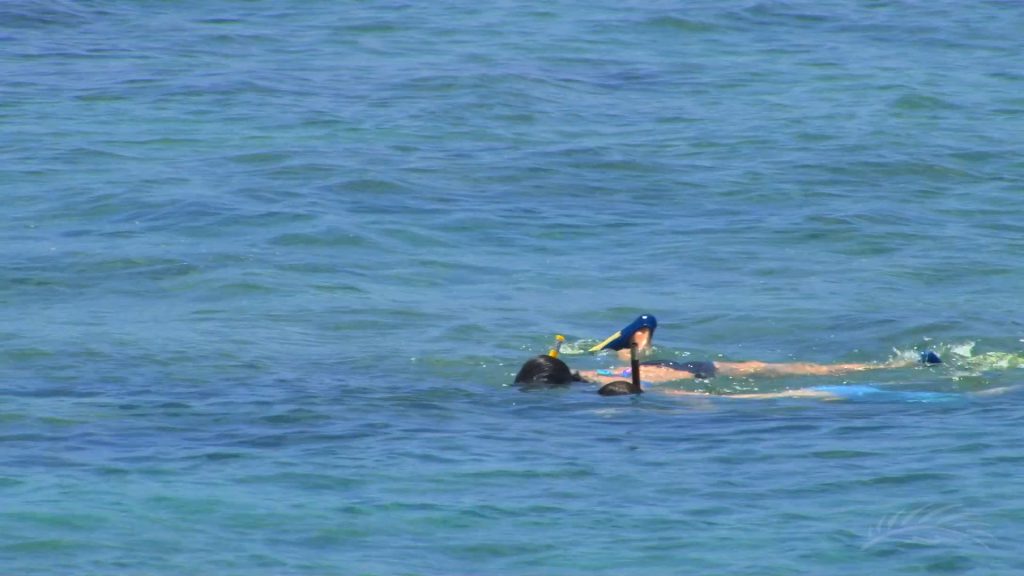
x=621 y=339
x=929 y=357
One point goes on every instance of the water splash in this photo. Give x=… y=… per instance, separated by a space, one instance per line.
x=577 y=347
x=961 y=357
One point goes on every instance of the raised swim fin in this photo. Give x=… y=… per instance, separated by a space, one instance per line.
x=622 y=338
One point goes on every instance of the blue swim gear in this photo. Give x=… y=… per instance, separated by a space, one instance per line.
x=621 y=339
x=848 y=390
x=866 y=392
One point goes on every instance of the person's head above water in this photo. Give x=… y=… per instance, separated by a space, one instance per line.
x=640 y=331
x=544 y=370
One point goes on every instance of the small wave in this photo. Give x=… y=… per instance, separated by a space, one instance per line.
x=41 y=14
x=681 y=24
x=922 y=102
x=326 y=238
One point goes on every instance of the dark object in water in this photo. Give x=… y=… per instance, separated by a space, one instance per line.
x=618 y=388
x=545 y=372
x=621 y=387
x=929 y=357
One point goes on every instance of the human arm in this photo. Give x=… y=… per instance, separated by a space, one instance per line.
x=647 y=374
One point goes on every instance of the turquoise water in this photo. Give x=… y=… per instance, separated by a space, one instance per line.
x=268 y=271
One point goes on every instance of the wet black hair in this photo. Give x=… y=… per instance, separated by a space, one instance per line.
x=544 y=370
x=619 y=388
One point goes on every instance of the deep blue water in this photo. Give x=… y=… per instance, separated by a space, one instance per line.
x=268 y=270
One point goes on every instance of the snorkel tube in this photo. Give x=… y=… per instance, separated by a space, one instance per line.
x=557 y=347
x=621 y=387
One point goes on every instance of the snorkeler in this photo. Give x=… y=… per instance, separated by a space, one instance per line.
x=641 y=333
x=546 y=371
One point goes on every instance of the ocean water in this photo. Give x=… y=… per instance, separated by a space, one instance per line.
x=268 y=270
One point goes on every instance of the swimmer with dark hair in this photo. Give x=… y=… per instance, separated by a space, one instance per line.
x=545 y=371
x=641 y=332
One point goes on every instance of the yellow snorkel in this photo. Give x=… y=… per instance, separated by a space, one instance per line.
x=558 y=346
